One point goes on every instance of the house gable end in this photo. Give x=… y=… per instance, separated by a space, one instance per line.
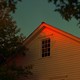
x=43 y=25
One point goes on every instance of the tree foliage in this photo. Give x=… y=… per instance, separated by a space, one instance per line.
x=11 y=42
x=68 y=8
x=7 y=6
x=10 y=39
x=14 y=72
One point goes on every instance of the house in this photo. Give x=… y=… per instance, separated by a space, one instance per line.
x=54 y=54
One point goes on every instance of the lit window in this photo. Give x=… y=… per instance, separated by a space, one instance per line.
x=46 y=47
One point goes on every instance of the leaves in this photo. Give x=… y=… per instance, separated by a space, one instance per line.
x=13 y=72
x=7 y=6
x=68 y=8
x=9 y=38
x=10 y=43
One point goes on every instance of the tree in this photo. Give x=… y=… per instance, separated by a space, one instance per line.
x=10 y=39
x=14 y=72
x=7 y=6
x=10 y=45
x=11 y=42
x=68 y=8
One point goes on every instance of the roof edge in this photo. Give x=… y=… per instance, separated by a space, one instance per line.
x=44 y=25
x=64 y=33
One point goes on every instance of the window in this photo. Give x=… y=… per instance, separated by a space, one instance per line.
x=46 y=47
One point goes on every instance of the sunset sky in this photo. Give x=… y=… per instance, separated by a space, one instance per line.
x=30 y=14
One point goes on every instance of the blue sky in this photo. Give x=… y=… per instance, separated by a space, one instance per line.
x=30 y=14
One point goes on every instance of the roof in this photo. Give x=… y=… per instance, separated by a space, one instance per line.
x=44 y=25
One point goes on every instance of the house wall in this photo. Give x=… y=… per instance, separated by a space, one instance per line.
x=63 y=62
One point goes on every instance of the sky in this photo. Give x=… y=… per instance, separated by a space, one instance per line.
x=31 y=13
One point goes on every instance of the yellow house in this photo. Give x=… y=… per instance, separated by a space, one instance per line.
x=54 y=54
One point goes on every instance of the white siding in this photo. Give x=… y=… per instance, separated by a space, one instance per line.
x=63 y=62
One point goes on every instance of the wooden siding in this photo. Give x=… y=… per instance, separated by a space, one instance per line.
x=63 y=62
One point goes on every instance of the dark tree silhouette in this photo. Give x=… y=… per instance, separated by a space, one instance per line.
x=14 y=72
x=68 y=8
x=11 y=42
x=7 y=6
x=10 y=39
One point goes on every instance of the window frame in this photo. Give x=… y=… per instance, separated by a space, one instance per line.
x=46 y=47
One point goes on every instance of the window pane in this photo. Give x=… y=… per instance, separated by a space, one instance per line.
x=48 y=53
x=46 y=47
x=42 y=55
x=45 y=54
x=42 y=51
x=48 y=44
x=43 y=46
x=45 y=41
